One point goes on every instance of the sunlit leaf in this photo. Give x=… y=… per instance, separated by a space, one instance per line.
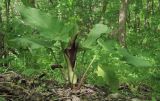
x=100 y=72
x=94 y=34
x=109 y=76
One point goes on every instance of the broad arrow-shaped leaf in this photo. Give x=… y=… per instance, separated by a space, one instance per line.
x=48 y=26
x=94 y=34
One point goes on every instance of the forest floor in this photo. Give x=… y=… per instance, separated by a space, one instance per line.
x=14 y=87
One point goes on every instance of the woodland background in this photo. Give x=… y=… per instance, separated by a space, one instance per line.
x=107 y=43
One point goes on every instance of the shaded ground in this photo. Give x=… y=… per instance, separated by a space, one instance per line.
x=14 y=87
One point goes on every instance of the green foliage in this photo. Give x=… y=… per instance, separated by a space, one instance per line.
x=7 y=59
x=107 y=44
x=52 y=28
x=134 y=60
x=2 y=99
x=109 y=77
x=26 y=2
x=153 y=99
x=49 y=26
x=94 y=34
x=39 y=37
x=30 y=72
x=26 y=42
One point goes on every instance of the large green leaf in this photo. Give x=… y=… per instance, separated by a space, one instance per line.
x=134 y=60
x=94 y=34
x=25 y=42
x=43 y=42
x=49 y=26
x=108 y=45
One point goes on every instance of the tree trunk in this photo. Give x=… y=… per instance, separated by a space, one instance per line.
x=122 y=22
x=32 y=3
x=129 y=19
x=102 y=13
x=159 y=5
x=7 y=5
x=1 y=48
x=29 y=3
x=146 y=22
x=152 y=7
x=1 y=39
x=0 y=17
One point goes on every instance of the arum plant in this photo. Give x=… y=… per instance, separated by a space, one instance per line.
x=70 y=54
x=66 y=33
x=51 y=28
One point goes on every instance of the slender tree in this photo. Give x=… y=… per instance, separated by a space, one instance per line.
x=30 y=3
x=159 y=4
x=122 y=22
x=1 y=38
x=0 y=17
x=7 y=6
x=1 y=47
